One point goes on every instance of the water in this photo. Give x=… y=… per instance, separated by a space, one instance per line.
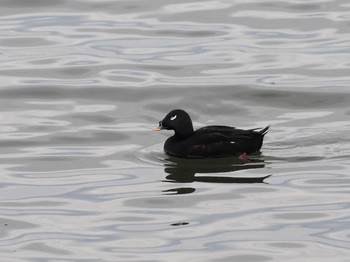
x=83 y=177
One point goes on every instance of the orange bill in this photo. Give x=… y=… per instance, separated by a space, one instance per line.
x=157 y=128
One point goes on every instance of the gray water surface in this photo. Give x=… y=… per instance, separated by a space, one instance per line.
x=84 y=177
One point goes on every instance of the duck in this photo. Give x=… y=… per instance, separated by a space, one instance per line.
x=209 y=141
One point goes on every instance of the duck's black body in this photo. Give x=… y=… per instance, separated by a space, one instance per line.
x=209 y=141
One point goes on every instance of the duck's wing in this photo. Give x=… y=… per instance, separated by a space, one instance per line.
x=216 y=129
x=233 y=132
x=224 y=140
x=212 y=144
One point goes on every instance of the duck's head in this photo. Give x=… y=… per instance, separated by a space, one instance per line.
x=179 y=121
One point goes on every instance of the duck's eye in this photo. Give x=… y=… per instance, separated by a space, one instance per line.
x=173 y=117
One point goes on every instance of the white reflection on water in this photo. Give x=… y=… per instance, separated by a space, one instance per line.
x=83 y=177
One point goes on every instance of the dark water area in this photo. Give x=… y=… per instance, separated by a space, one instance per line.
x=84 y=177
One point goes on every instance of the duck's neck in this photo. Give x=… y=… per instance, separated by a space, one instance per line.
x=185 y=131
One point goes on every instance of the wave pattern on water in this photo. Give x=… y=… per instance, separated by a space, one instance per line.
x=84 y=179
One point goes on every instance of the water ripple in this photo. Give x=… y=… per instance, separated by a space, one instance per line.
x=83 y=177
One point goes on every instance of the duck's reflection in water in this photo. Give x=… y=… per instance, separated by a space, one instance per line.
x=182 y=170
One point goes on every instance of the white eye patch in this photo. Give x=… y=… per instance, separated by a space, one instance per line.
x=173 y=117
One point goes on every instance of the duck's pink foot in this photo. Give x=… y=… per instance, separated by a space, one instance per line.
x=243 y=157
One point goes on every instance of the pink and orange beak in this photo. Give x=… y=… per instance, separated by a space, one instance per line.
x=158 y=128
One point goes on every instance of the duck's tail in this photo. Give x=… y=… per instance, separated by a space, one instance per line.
x=264 y=130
